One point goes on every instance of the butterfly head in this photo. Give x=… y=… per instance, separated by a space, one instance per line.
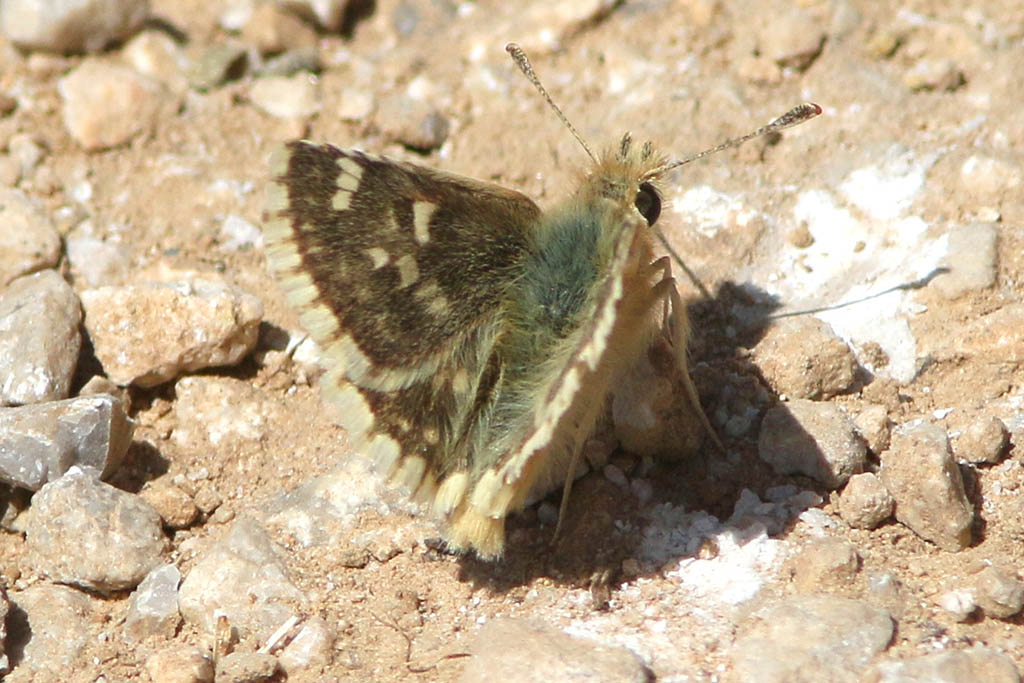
x=624 y=176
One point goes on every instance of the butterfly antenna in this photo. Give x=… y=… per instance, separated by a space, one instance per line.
x=521 y=60
x=793 y=117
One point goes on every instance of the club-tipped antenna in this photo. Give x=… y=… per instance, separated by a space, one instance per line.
x=795 y=116
x=521 y=60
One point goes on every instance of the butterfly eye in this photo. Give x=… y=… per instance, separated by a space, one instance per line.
x=648 y=203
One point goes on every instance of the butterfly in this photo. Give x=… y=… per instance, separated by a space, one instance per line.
x=470 y=339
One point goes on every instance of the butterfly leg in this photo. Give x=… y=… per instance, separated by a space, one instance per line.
x=679 y=326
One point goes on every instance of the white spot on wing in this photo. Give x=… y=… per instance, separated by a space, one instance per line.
x=408 y=271
x=421 y=213
x=379 y=256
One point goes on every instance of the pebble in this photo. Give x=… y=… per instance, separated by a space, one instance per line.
x=865 y=502
x=40 y=442
x=106 y=105
x=5 y=609
x=149 y=333
x=934 y=74
x=219 y=411
x=327 y=13
x=26 y=151
x=999 y=333
x=153 y=606
x=954 y=666
x=958 y=603
x=985 y=440
x=811 y=638
x=998 y=593
x=356 y=104
x=616 y=476
x=817 y=440
x=84 y=532
x=180 y=664
x=286 y=97
x=292 y=62
x=971 y=257
x=217 y=65
x=39 y=338
x=825 y=564
x=97 y=263
x=59 y=620
x=312 y=646
x=237 y=233
x=29 y=242
x=528 y=651
x=873 y=425
x=242 y=576
x=924 y=480
x=792 y=38
x=273 y=29
x=988 y=176
x=246 y=667
x=174 y=506
x=155 y=55
x=802 y=357
x=80 y=26
x=413 y=122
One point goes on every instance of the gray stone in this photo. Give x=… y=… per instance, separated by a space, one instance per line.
x=149 y=333
x=530 y=651
x=413 y=122
x=924 y=480
x=971 y=258
x=58 y=620
x=39 y=443
x=957 y=666
x=805 y=638
x=153 y=606
x=39 y=338
x=217 y=65
x=106 y=105
x=243 y=577
x=817 y=440
x=70 y=25
x=180 y=664
x=998 y=593
x=28 y=240
x=802 y=357
x=865 y=502
x=86 y=533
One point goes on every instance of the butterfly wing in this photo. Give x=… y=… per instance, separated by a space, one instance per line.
x=579 y=315
x=400 y=274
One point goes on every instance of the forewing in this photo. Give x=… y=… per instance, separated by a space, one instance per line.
x=399 y=273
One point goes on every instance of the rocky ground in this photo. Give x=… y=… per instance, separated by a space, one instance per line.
x=181 y=501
